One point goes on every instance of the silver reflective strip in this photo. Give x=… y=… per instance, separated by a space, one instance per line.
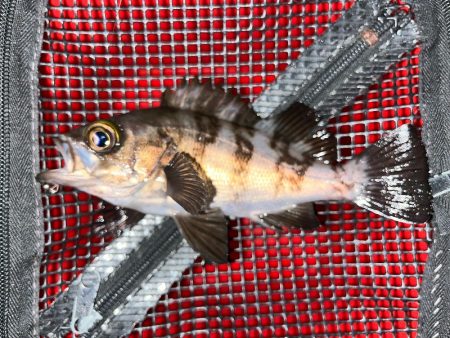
x=56 y=319
x=332 y=72
x=313 y=59
x=356 y=82
x=157 y=284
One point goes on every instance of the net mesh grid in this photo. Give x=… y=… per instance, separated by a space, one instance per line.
x=356 y=276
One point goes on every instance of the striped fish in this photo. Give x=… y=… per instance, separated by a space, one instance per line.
x=204 y=155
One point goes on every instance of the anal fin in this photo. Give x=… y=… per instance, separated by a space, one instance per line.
x=302 y=216
x=206 y=233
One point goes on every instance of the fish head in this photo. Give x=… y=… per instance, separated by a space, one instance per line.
x=111 y=159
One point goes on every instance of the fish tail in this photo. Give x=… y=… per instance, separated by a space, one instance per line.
x=391 y=177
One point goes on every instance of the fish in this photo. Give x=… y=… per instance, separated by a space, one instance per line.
x=204 y=155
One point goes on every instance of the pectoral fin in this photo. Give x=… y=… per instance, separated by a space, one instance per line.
x=206 y=233
x=188 y=184
x=302 y=216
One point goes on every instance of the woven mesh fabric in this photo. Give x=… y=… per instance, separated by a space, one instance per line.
x=358 y=275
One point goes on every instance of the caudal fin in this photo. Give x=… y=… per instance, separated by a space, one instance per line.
x=395 y=180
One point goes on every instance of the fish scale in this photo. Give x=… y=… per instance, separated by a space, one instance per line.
x=241 y=185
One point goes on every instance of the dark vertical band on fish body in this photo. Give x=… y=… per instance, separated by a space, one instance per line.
x=296 y=135
x=162 y=133
x=290 y=174
x=244 y=147
x=207 y=129
x=242 y=157
x=300 y=165
x=299 y=141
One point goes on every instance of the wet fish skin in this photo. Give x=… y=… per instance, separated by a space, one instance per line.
x=188 y=158
x=249 y=175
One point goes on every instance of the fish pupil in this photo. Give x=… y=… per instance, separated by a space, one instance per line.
x=101 y=139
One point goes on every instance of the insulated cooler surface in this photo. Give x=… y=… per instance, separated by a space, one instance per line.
x=358 y=275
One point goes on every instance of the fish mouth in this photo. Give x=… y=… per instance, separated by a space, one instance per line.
x=67 y=153
x=65 y=174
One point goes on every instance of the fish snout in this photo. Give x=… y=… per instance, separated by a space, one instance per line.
x=63 y=146
x=41 y=177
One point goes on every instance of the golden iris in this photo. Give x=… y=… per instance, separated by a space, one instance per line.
x=102 y=136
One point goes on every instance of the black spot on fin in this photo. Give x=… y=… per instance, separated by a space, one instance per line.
x=113 y=220
x=206 y=233
x=296 y=132
x=301 y=216
x=188 y=184
x=395 y=177
x=206 y=99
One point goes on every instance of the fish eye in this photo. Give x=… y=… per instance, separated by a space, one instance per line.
x=100 y=139
x=102 y=136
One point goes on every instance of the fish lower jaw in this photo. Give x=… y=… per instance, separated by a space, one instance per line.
x=65 y=177
x=54 y=176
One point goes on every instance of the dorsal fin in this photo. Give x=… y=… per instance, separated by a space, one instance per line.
x=209 y=100
x=296 y=132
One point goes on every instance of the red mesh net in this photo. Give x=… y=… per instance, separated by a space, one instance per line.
x=358 y=275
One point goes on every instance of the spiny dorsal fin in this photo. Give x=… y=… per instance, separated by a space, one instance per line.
x=206 y=233
x=188 y=184
x=302 y=216
x=206 y=99
x=296 y=132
